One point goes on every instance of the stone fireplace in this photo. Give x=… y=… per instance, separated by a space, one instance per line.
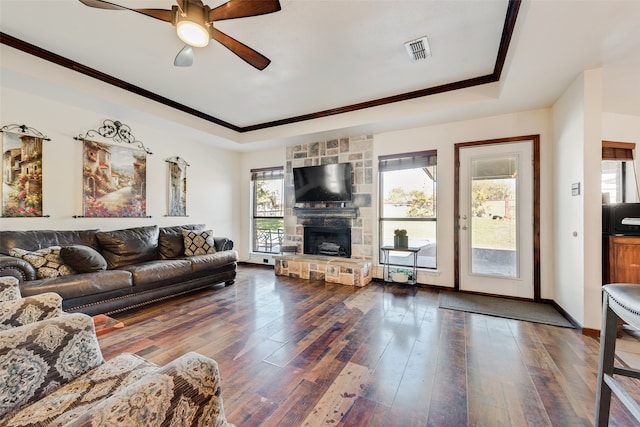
x=331 y=241
x=356 y=217
x=334 y=240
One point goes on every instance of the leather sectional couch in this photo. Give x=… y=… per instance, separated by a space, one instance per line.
x=105 y=272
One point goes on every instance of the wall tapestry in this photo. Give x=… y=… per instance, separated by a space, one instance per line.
x=114 y=177
x=21 y=171
x=177 y=172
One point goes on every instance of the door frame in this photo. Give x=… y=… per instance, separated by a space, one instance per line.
x=535 y=140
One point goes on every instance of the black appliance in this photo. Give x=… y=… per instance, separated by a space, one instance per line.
x=324 y=183
x=621 y=219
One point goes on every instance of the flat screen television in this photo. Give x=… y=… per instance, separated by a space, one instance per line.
x=325 y=183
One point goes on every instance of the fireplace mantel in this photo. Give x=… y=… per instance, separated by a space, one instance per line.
x=326 y=212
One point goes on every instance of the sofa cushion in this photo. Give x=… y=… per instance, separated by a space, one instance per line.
x=198 y=242
x=171 y=242
x=129 y=246
x=160 y=271
x=42 y=356
x=47 y=262
x=38 y=239
x=201 y=263
x=83 y=259
x=79 y=285
x=72 y=400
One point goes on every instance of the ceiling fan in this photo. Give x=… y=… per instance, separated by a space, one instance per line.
x=194 y=24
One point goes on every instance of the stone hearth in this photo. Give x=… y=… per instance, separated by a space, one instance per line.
x=344 y=271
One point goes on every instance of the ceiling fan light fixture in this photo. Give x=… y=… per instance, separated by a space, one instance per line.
x=191 y=23
x=192 y=33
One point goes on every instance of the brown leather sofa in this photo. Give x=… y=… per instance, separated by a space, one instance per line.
x=113 y=271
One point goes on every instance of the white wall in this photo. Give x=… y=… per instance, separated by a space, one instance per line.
x=593 y=90
x=578 y=133
x=212 y=177
x=568 y=153
x=621 y=128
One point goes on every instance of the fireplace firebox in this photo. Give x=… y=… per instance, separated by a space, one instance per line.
x=332 y=241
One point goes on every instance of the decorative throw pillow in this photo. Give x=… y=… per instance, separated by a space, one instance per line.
x=47 y=262
x=198 y=242
x=171 y=241
x=83 y=259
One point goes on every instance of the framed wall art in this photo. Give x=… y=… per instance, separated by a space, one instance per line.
x=114 y=178
x=177 y=173
x=21 y=171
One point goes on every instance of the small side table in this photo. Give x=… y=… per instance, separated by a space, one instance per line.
x=386 y=269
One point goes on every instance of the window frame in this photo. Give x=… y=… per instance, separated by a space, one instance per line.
x=621 y=180
x=266 y=174
x=622 y=153
x=405 y=161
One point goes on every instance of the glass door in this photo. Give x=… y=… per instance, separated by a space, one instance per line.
x=495 y=222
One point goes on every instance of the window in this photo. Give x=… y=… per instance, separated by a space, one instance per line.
x=408 y=202
x=618 y=172
x=614 y=181
x=267 y=187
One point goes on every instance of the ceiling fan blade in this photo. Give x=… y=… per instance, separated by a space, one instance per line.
x=242 y=8
x=184 y=58
x=161 y=14
x=243 y=51
x=100 y=4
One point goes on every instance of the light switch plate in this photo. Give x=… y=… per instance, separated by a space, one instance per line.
x=575 y=189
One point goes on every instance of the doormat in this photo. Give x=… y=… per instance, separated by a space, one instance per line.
x=504 y=307
x=106 y=324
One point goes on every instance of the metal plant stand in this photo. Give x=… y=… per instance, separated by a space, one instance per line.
x=386 y=268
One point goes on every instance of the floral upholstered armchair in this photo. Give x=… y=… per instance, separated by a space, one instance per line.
x=17 y=311
x=52 y=373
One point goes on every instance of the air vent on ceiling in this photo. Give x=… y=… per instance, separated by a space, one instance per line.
x=418 y=49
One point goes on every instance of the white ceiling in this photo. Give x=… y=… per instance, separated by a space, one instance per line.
x=329 y=54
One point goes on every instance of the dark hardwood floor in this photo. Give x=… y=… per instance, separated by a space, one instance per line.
x=302 y=353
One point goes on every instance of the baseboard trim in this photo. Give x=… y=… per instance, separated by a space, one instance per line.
x=593 y=333
x=567 y=316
